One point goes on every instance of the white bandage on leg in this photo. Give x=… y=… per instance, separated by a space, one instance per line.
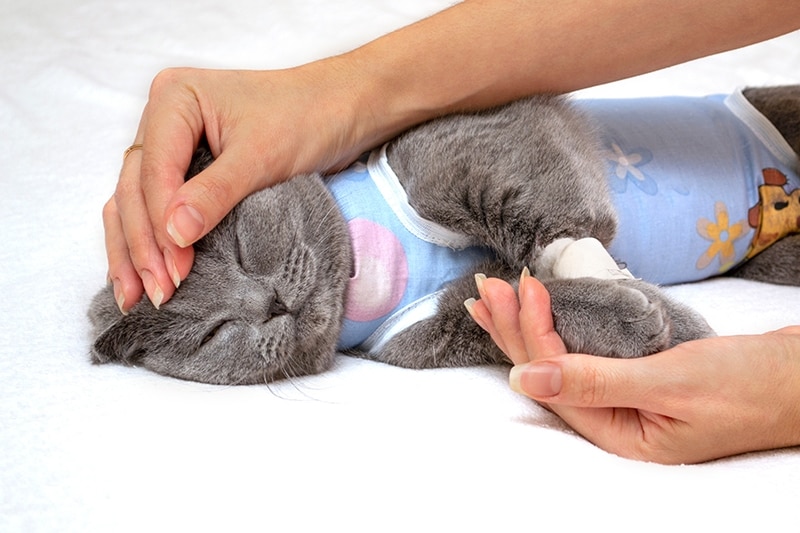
x=584 y=258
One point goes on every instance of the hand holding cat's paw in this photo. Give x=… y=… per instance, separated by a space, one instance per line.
x=622 y=318
x=598 y=317
x=655 y=408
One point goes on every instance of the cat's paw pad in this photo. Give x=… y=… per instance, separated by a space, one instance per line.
x=609 y=318
x=643 y=323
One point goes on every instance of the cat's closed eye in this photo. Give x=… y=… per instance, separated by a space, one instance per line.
x=237 y=252
x=211 y=334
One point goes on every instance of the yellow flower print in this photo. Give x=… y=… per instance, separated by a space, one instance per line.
x=722 y=236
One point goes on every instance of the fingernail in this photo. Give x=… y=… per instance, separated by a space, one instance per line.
x=469 y=303
x=537 y=380
x=525 y=274
x=526 y=289
x=152 y=289
x=169 y=261
x=185 y=225
x=479 y=280
x=119 y=297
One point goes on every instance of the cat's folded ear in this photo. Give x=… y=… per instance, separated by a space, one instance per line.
x=115 y=334
x=201 y=159
x=118 y=343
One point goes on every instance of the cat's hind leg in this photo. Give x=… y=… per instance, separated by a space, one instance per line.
x=780 y=263
x=447 y=338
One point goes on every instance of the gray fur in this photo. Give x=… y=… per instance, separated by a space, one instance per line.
x=265 y=297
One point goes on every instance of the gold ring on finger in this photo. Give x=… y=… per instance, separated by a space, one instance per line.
x=131 y=148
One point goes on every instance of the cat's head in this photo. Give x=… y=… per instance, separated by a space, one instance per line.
x=264 y=299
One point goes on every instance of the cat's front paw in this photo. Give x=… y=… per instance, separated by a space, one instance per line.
x=610 y=318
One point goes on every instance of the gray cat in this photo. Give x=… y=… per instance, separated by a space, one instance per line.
x=307 y=268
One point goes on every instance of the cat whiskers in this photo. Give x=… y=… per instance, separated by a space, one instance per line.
x=290 y=377
x=325 y=218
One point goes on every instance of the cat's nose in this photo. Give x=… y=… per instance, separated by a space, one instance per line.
x=258 y=306
x=276 y=308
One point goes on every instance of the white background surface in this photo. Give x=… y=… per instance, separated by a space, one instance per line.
x=364 y=447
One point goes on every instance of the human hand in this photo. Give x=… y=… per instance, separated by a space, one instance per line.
x=262 y=126
x=698 y=401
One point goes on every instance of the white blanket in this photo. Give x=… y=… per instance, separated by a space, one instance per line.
x=363 y=447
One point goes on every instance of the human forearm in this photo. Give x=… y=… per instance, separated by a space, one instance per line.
x=784 y=368
x=485 y=52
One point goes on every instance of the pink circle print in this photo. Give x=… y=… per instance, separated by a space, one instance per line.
x=380 y=271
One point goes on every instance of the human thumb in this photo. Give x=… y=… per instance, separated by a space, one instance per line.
x=203 y=201
x=579 y=380
x=538 y=380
